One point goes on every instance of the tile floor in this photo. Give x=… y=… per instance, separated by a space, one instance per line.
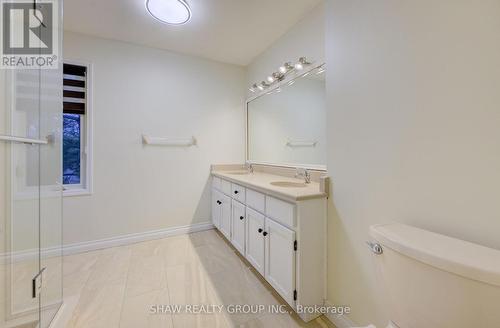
x=116 y=287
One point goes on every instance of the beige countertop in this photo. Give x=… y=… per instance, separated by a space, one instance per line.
x=261 y=181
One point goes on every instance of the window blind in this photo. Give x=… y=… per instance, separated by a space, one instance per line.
x=74 y=89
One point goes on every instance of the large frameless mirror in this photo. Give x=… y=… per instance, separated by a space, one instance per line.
x=286 y=124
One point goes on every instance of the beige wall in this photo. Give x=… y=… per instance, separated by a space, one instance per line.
x=142 y=90
x=414 y=137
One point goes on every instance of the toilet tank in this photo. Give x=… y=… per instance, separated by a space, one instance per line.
x=430 y=280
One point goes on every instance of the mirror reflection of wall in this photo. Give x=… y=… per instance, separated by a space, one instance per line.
x=288 y=127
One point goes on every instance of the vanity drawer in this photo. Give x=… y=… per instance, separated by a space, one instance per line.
x=216 y=183
x=225 y=187
x=256 y=200
x=238 y=192
x=280 y=211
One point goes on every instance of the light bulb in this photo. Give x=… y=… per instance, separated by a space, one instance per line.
x=260 y=87
x=299 y=66
x=270 y=79
x=286 y=68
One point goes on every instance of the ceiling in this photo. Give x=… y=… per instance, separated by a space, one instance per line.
x=229 y=31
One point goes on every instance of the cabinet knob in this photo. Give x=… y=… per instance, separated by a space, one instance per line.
x=241 y=217
x=265 y=233
x=260 y=230
x=218 y=202
x=236 y=192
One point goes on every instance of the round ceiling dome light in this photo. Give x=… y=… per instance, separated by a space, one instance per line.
x=173 y=12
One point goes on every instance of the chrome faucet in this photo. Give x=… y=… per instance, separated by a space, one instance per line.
x=303 y=173
x=249 y=167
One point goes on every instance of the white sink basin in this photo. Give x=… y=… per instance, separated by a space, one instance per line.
x=289 y=184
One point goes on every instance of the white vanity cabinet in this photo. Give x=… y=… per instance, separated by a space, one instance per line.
x=284 y=240
x=238 y=226
x=255 y=224
x=221 y=212
x=225 y=217
x=238 y=192
x=216 y=208
x=280 y=259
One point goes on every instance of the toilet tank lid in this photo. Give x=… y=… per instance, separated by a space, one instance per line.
x=446 y=253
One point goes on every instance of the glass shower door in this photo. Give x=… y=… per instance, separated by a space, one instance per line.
x=19 y=196
x=30 y=196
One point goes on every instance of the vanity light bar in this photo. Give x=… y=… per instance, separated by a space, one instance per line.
x=280 y=75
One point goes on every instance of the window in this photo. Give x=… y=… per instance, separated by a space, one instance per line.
x=72 y=149
x=76 y=132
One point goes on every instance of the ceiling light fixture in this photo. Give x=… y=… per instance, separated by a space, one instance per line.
x=173 y=12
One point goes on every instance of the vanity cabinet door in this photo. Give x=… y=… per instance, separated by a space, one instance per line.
x=238 y=227
x=225 y=216
x=254 y=252
x=280 y=259
x=216 y=208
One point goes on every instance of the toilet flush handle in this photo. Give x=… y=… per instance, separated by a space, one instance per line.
x=375 y=247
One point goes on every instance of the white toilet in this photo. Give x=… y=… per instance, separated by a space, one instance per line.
x=434 y=281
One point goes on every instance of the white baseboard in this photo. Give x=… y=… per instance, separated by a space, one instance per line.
x=134 y=238
x=340 y=321
x=106 y=243
x=65 y=312
x=29 y=255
